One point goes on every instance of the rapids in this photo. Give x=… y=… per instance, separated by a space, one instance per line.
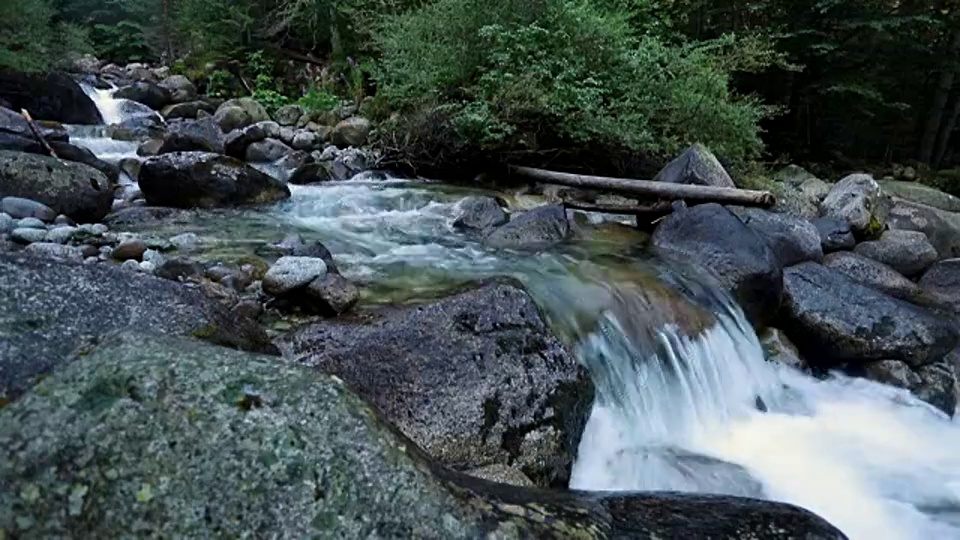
x=678 y=408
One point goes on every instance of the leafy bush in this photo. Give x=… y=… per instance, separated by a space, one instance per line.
x=31 y=39
x=540 y=76
x=317 y=99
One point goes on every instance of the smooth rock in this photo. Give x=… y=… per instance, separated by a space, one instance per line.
x=698 y=166
x=19 y=208
x=147 y=267
x=266 y=151
x=237 y=141
x=288 y=115
x=539 y=228
x=295 y=245
x=61 y=235
x=74 y=189
x=891 y=372
x=149 y=94
x=64 y=220
x=485 y=362
x=48 y=96
x=942 y=228
x=28 y=236
x=835 y=319
x=333 y=294
x=183 y=135
x=179 y=269
x=180 y=88
x=130 y=265
x=231 y=118
x=873 y=274
x=907 y=252
x=50 y=308
x=7 y=223
x=351 y=132
x=835 y=234
x=777 y=347
x=479 y=214
x=305 y=140
x=921 y=194
x=859 y=200
x=55 y=251
x=202 y=441
x=942 y=283
x=291 y=273
x=713 y=239
x=311 y=173
x=31 y=223
x=792 y=239
x=130 y=250
x=189 y=109
x=198 y=179
x=185 y=241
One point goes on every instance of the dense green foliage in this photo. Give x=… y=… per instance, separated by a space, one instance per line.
x=32 y=39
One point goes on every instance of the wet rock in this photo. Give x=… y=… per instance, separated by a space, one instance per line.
x=48 y=96
x=180 y=88
x=31 y=223
x=534 y=229
x=130 y=250
x=18 y=208
x=859 y=200
x=480 y=214
x=288 y=115
x=25 y=235
x=149 y=94
x=74 y=189
x=305 y=140
x=907 y=252
x=921 y=194
x=777 y=347
x=333 y=294
x=493 y=375
x=50 y=308
x=13 y=124
x=79 y=154
x=7 y=223
x=834 y=319
x=294 y=245
x=201 y=135
x=712 y=238
x=291 y=274
x=266 y=150
x=937 y=386
x=237 y=141
x=873 y=274
x=792 y=239
x=179 y=269
x=143 y=215
x=312 y=173
x=198 y=179
x=502 y=474
x=942 y=228
x=891 y=372
x=351 y=132
x=835 y=234
x=350 y=162
x=942 y=283
x=188 y=110
x=696 y=165
x=150 y=148
x=55 y=251
x=60 y=235
x=84 y=437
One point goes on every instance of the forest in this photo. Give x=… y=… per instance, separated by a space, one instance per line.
x=601 y=85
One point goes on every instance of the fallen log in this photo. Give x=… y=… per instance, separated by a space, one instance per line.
x=652 y=190
x=655 y=210
x=37 y=133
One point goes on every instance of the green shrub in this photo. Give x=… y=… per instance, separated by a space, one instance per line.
x=31 y=38
x=537 y=76
x=317 y=99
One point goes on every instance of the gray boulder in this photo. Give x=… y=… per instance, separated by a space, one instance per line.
x=942 y=228
x=777 y=347
x=835 y=234
x=189 y=109
x=712 y=238
x=921 y=194
x=149 y=94
x=198 y=179
x=266 y=151
x=71 y=152
x=237 y=141
x=232 y=117
x=312 y=173
x=288 y=115
x=51 y=308
x=479 y=214
x=859 y=200
x=173 y=438
x=835 y=319
x=180 y=88
x=334 y=294
x=73 y=189
x=500 y=387
x=696 y=165
x=292 y=273
x=306 y=140
x=792 y=239
x=873 y=274
x=351 y=132
x=539 y=228
x=28 y=235
x=934 y=383
x=185 y=135
x=48 y=96
x=294 y=245
x=55 y=251
x=942 y=283
x=15 y=133
x=18 y=208
x=308 y=284
x=907 y=252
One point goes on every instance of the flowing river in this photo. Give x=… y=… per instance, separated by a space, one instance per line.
x=679 y=410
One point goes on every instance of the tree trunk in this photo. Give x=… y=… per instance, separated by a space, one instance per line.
x=651 y=190
x=336 y=43
x=932 y=126
x=943 y=141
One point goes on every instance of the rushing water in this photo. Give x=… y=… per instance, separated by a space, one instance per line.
x=686 y=401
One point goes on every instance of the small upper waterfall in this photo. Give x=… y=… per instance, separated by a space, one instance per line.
x=113 y=110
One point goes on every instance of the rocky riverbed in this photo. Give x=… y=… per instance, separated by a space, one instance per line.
x=218 y=321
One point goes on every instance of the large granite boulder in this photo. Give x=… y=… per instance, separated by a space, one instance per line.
x=180 y=88
x=151 y=95
x=712 y=238
x=835 y=234
x=200 y=179
x=534 y=229
x=859 y=200
x=474 y=379
x=78 y=191
x=907 y=252
x=934 y=383
x=79 y=154
x=351 y=132
x=15 y=133
x=696 y=165
x=51 y=96
x=51 y=308
x=942 y=283
x=921 y=194
x=173 y=438
x=792 y=239
x=941 y=227
x=834 y=319
x=239 y=113
x=874 y=274
x=185 y=135
x=479 y=214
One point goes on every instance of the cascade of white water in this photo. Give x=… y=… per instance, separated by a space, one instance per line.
x=114 y=110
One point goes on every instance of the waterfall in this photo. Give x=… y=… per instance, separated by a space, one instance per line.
x=114 y=110
x=706 y=413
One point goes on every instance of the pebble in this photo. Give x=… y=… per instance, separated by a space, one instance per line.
x=91 y=260
x=31 y=223
x=185 y=241
x=131 y=265
x=290 y=273
x=7 y=223
x=64 y=220
x=19 y=207
x=28 y=236
x=55 y=251
x=153 y=256
x=148 y=267
x=61 y=235
x=89 y=251
x=129 y=250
